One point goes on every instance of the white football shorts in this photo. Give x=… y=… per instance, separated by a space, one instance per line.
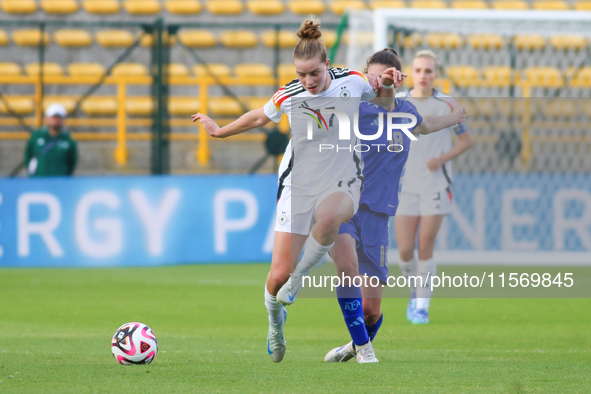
x=425 y=204
x=296 y=215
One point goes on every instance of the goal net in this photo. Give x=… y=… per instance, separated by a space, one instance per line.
x=522 y=194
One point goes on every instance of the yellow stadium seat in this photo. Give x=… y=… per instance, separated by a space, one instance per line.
x=559 y=107
x=99 y=106
x=225 y=7
x=69 y=102
x=114 y=38
x=183 y=106
x=568 y=41
x=463 y=75
x=147 y=39
x=224 y=106
x=286 y=73
x=497 y=76
x=542 y=77
x=197 y=38
x=140 y=105
x=375 y=4
x=18 y=6
x=72 y=38
x=254 y=102
x=529 y=41
x=411 y=41
x=239 y=39
x=305 y=7
x=129 y=70
x=29 y=38
x=428 y=4
x=470 y=4
x=329 y=38
x=287 y=39
x=86 y=69
x=3 y=38
x=265 y=7
x=178 y=70
x=52 y=69
x=183 y=7
x=581 y=79
x=486 y=41
x=555 y=5
x=142 y=7
x=18 y=105
x=101 y=7
x=10 y=69
x=510 y=5
x=217 y=69
x=340 y=6
x=254 y=70
x=61 y=7
x=582 y=5
x=444 y=40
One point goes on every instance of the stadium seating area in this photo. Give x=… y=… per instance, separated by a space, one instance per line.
x=265 y=7
x=78 y=56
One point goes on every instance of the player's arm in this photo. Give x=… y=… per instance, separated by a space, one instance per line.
x=390 y=81
x=248 y=121
x=462 y=146
x=435 y=123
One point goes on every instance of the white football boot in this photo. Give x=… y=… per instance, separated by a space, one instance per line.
x=365 y=354
x=276 y=340
x=340 y=354
x=290 y=290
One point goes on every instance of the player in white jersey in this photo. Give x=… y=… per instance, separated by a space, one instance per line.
x=317 y=192
x=426 y=189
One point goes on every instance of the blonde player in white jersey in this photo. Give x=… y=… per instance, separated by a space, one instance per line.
x=426 y=188
x=317 y=191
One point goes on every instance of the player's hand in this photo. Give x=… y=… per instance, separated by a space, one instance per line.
x=391 y=76
x=460 y=112
x=434 y=164
x=208 y=124
x=374 y=81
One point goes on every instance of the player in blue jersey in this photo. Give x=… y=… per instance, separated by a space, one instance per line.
x=363 y=241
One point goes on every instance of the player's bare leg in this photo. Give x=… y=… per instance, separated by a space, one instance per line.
x=286 y=250
x=406 y=228
x=330 y=214
x=426 y=266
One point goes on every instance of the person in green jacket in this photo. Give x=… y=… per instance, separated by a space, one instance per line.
x=51 y=151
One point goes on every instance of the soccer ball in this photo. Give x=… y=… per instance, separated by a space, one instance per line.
x=134 y=343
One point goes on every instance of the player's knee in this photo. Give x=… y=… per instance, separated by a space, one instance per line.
x=406 y=254
x=327 y=221
x=347 y=267
x=425 y=251
x=278 y=277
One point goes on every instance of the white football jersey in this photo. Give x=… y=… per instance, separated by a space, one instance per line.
x=418 y=178
x=305 y=167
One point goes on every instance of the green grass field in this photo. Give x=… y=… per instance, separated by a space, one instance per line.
x=56 y=326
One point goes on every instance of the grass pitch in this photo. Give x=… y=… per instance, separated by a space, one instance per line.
x=56 y=326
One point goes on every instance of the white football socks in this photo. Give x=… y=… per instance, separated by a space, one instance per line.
x=409 y=268
x=313 y=253
x=273 y=307
x=426 y=270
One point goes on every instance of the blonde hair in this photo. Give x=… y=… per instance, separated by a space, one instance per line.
x=429 y=54
x=310 y=45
